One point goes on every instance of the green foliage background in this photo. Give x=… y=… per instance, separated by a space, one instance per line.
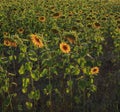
x=45 y=79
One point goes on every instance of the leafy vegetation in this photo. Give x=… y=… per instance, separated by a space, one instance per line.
x=59 y=56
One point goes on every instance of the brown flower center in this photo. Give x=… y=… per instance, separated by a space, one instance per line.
x=65 y=47
x=37 y=39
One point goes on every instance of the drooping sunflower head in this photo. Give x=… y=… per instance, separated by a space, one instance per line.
x=96 y=25
x=57 y=15
x=70 y=13
x=89 y=25
x=37 y=41
x=94 y=70
x=55 y=31
x=64 y=47
x=70 y=38
x=74 y=28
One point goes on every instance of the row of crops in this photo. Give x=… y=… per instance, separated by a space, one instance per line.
x=59 y=56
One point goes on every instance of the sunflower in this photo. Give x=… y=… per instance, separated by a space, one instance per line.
x=94 y=70
x=70 y=38
x=7 y=42
x=42 y=19
x=74 y=28
x=5 y=33
x=103 y=18
x=37 y=41
x=55 y=31
x=96 y=25
x=89 y=25
x=65 y=48
x=70 y=14
x=57 y=15
x=20 y=30
x=80 y=12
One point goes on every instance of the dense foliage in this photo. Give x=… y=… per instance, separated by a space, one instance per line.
x=59 y=56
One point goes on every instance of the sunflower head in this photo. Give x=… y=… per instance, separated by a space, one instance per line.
x=64 y=47
x=42 y=19
x=5 y=33
x=88 y=18
x=36 y=41
x=80 y=12
x=63 y=17
x=70 y=38
x=57 y=15
x=55 y=31
x=10 y=43
x=20 y=30
x=103 y=18
x=89 y=25
x=94 y=70
x=74 y=28
x=96 y=25
x=70 y=14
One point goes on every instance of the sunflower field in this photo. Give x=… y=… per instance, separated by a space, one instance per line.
x=59 y=56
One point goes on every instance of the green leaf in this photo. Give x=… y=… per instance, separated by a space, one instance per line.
x=34 y=95
x=24 y=90
x=44 y=72
x=29 y=105
x=22 y=69
x=33 y=59
x=28 y=66
x=70 y=83
x=25 y=82
x=35 y=76
x=23 y=48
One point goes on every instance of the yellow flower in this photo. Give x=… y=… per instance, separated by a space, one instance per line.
x=37 y=41
x=7 y=42
x=42 y=19
x=65 y=48
x=94 y=70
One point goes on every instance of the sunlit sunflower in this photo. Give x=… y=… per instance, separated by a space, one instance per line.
x=7 y=42
x=37 y=41
x=65 y=48
x=94 y=70
x=42 y=19
x=20 y=30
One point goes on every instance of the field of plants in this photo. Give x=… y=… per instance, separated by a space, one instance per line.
x=59 y=56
